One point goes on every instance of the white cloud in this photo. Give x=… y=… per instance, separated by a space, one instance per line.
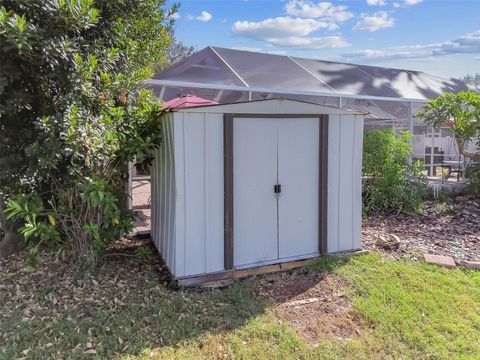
x=320 y=10
x=383 y=55
x=204 y=16
x=412 y=2
x=311 y=42
x=376 y=2
x=279 y=27
x=289 y=32
x=175 y=16
x=374 y=22
x=297 y=28
x=405 y=3
x=466 y=44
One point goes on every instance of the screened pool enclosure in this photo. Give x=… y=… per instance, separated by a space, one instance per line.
x=391 y=97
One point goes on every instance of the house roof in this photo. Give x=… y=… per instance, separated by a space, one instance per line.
x=230 y=69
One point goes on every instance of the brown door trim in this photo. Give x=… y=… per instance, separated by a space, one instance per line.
x=323 y=186
x=228 y=181
x=228 y=190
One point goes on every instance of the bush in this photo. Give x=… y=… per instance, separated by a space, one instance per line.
x=71 y=84
x=472 y=173
x=392 y=183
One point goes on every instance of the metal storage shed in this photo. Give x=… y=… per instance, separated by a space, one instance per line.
x=242 y=185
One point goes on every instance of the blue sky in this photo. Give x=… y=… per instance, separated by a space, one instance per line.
x=441 y=37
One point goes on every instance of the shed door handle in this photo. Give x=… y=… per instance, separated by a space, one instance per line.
x=277 y=189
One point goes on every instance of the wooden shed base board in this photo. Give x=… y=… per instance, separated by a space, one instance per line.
x=225 y=277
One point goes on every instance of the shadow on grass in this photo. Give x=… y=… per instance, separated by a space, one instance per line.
x=121 y=307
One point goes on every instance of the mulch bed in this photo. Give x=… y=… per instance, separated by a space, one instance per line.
x=450 y=229
x=313 y=304
x=120 y=261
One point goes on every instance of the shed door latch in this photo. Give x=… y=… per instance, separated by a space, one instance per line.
x=277 y=189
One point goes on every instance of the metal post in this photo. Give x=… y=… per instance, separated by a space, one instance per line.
x=218 y=96
x=129 y=186
x=432 y=157
x=249 y=96
x=340 y=103
x=162 y=93
x=410 y=127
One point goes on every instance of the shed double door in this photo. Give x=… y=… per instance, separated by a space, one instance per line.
x=269 y=226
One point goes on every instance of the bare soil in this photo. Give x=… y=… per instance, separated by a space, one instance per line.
x=313 y=304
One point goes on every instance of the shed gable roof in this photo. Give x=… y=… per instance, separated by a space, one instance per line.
x=271 y=106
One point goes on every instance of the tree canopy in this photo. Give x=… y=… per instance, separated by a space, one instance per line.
x=460 y=112
x=66 y=59
x=72 y=112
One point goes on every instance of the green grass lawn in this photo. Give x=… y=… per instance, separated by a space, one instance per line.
x=408 y=310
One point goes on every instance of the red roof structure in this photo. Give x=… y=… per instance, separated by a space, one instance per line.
x=187 y=101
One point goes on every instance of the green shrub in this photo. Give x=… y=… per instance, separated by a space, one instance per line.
x=74 y=113
x=81 y=221
x=472 y=173
x=392 y=183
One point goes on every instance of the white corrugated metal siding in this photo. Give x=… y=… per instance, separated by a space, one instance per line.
x=345 y=142
x=163 y=195
x=199 y=193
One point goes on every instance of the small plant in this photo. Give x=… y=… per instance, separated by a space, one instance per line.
x=392 y=183
x=83 y=220
x=143 y=253
x=39 y=225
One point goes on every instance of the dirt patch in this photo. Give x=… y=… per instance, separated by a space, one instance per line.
x=450 y=229
x=313 y=304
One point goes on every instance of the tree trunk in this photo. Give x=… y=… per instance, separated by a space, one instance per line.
x=463 y=150
x=10 y=240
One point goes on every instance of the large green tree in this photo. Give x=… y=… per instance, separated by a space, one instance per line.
x=72 y=112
